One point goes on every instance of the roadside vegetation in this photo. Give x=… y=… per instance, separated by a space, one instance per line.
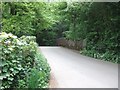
x=95 y=23
x=22 y=65
x=29 y=22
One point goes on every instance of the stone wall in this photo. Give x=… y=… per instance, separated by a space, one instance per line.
x=78 y=45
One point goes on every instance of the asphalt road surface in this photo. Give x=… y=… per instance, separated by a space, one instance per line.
x=70 y=69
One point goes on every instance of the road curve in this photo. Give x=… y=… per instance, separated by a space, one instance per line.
x=73 y=70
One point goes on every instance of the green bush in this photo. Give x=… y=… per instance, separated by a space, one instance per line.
x=18 y=58
x=107 y=56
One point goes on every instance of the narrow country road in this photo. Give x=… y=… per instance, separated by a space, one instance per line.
x=73 y=70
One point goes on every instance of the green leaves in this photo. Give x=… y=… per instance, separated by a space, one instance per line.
x=98 y=24
x=35 y=18
x=27 y=18
x=18 y=57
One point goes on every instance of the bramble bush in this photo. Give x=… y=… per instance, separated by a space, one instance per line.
x=20 y=60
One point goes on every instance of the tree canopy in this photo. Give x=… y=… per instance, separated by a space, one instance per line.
x=97 y=23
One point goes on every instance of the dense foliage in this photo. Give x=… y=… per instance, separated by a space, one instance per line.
x=97 y=23
x=92 y=22
x=19 y=59
x=103 y=31
x=29 y=19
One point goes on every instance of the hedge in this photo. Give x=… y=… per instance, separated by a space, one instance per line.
x=19 y=60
